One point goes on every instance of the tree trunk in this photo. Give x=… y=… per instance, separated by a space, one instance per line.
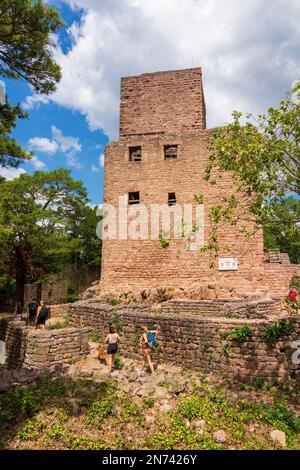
x=20 y=279
x=39 y=288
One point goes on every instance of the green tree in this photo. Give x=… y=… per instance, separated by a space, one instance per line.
x=89 y=250
x=11 y=153
x=36 y=219
x=285 y=234
x=263 y=156
x=26 y=43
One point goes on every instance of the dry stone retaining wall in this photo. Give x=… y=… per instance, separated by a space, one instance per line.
x=198 y=342
x=37 y=349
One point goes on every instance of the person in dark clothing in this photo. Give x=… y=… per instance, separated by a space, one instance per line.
x=41 y=315
x=112 y=340
x=32 y=309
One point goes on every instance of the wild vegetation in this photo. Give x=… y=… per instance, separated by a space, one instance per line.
x=59 y=413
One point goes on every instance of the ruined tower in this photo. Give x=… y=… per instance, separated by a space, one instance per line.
x=161 y=157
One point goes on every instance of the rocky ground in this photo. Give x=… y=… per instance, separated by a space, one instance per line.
x=82 y=406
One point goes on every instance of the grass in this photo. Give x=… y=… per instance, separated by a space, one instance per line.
x=43 y=417
x=59 y=325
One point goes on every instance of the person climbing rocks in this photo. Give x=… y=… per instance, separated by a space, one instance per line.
x=32 y=309
x=41 y=315
x=149 y=343
x=112 y=340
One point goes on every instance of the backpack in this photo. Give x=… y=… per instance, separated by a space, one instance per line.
x=44 y=312
x=32 y=308
x=152 y=343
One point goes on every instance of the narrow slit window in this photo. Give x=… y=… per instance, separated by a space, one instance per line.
x=171 y=199
x=134 y=198
x=135 y=154
x=171 y=152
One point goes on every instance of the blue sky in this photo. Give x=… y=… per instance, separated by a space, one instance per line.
x=58 y=136
x=248 y=51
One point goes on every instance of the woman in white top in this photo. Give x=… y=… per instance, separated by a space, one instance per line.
x=112 y=340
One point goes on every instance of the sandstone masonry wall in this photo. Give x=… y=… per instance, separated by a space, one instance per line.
x=37 y=349
x=197 y=341
x=161 y=102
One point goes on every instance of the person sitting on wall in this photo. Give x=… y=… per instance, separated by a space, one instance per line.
x=149 y=343
x=32 y=309
x=41 y=315
x=112 y=340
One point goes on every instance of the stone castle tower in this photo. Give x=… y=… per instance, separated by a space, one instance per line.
x=161 y=157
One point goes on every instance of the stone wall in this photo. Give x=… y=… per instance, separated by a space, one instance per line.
x=31 y=348
x=197 y=341
x=161 y=102
x=167 y=108
x=55 y=291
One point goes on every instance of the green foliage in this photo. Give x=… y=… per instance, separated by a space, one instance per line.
x=295 y=282
x=27 y=28
x=284 y=235
x=30 y=430
x=42 y=416
x=59 y=325
x=111 y=300
x=263 y=155
x=115 y=321
x=149 y=402
x=99 y=411
x=132 y=412
x=37 y=213
x=163 y=239
x=11 y=153
x=272 y=333
x=95 y=337
x=118 y=362
x=240 y=333
x=163 y=383
x=72 y=294
x=76 y=442
x=226 y=349
x=260 y=384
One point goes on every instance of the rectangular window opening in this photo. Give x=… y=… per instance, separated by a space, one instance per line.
x=171 y=199
x=135 y=154
x=134 y=198
x=170 y=152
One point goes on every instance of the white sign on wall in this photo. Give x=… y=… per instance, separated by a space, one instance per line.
x=228 y=264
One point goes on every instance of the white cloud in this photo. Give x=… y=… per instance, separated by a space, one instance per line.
x=248 y=51
x=11 y=173
x=42 y=144
x=67 y=145
x=96 y=168
x=37 y=163
x=101 y=160
x=34 y=101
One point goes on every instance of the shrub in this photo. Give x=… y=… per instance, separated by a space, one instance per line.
x=111 y=300
x=240 y=333
x=95 y=337
x=272 y=333
x=59 y=325
x=118 y=362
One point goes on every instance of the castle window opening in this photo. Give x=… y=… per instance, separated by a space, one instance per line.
x=171 y=199
x=171 y=152
x=135 y=154
x=134 y=198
